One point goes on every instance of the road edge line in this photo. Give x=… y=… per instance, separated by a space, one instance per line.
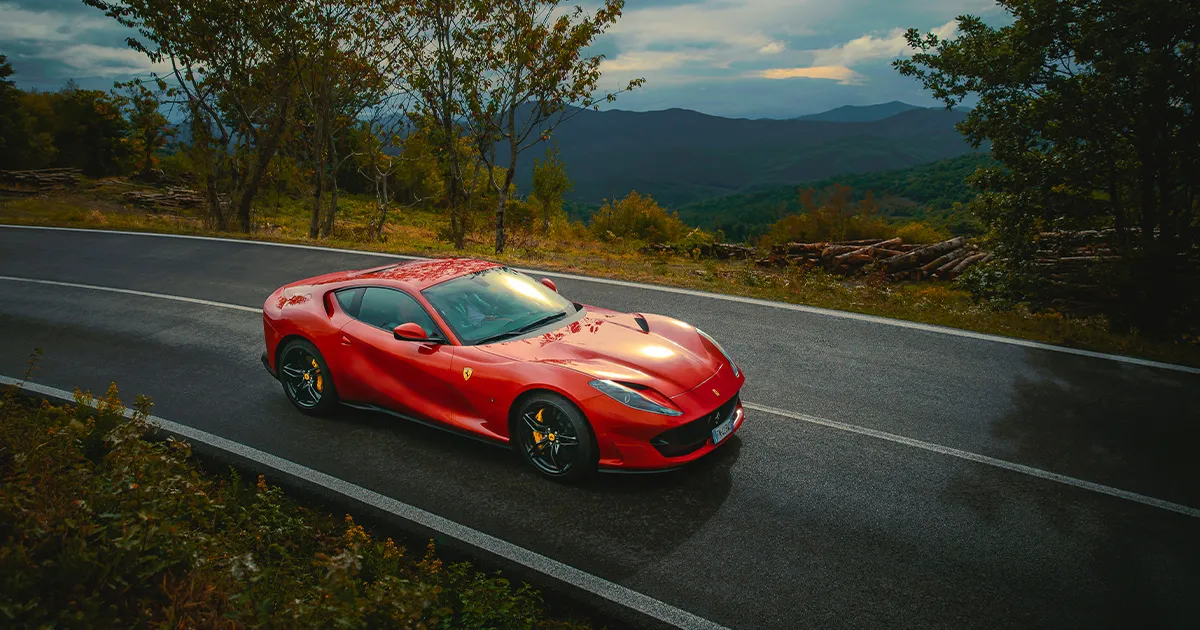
x=530 y=560
x=802 y=308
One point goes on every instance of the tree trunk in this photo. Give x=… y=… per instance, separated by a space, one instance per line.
x=513 y=143
x=314 y=223
x=503 y=195
x=327 y=230
x=266 y=152
x=382 y=197
x=214 y=203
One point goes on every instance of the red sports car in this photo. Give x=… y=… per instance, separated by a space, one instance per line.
x=479 y=348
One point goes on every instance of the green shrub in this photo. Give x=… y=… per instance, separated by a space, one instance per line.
x=637 y=217
x=101 y=528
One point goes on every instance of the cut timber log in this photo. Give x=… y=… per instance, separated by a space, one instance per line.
x=41 y=179
x=835 y=250
x=937 y=263
x=867 y=250
x=918 y=256
x=802 y=248
x=860 y=242
x=965 y=263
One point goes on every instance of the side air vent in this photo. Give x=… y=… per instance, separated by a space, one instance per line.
x=641 y=322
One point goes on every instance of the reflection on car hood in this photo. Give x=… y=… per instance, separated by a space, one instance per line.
x=671 y=358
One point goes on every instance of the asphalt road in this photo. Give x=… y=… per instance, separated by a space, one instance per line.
x=790 y=525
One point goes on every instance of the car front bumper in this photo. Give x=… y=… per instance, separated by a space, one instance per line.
x=632 y=441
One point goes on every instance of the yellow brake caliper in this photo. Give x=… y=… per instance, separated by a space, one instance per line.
x=320 y=381
x=537 y=437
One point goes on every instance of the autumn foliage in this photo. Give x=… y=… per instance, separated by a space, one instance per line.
x=102 y=528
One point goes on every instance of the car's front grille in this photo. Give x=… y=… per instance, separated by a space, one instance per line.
x=690 y=437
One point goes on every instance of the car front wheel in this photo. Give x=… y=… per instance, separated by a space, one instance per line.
x=306 y=378
x=553 y=436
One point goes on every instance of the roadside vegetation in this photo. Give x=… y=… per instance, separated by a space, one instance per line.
x=100 y=527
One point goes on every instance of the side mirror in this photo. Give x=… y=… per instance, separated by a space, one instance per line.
x=410 y=332
x=549 y=284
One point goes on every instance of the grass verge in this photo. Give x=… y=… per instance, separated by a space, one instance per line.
x=100 y=527
x=414 y=232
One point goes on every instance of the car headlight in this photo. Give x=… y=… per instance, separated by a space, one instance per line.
x=633 y=398
x=733 y=365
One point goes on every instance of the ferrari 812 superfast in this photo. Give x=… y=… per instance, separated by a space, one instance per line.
x=481 y=349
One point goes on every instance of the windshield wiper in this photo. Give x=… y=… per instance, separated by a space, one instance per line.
x=522 y=330
x=541 y=322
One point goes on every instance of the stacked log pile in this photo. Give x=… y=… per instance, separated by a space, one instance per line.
x=173 y=198
x=945 y=260
x=39 y=180
x=1074 y=263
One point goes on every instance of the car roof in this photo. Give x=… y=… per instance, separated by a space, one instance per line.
x=422 y=274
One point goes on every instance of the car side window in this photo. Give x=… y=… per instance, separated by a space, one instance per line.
x=349 y=300
x=388 y=308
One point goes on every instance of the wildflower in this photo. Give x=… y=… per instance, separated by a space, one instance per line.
x=243 y=565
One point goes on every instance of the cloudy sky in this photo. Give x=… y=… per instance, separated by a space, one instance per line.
x=743 y=58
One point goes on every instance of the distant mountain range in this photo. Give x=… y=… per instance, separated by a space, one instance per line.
x=680 y=156
x=861 y=113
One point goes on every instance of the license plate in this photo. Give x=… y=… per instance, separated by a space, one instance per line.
x=722 y=431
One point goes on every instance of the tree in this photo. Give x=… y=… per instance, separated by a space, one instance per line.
x=550 y=184
x=149 y=129
x=343 y=70
x=532 y=69
x=440 y=48
x=831 y=215
x=76 y=128
x=231 y=68
x=1090 y=106
x=637 y=216
x=14 y=136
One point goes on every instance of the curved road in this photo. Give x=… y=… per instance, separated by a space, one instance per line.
x=903 y=477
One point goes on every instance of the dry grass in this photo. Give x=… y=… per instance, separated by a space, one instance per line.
x=415 y=232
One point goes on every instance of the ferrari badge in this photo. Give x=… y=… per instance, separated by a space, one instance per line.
x=716 y=393
x=467 y=372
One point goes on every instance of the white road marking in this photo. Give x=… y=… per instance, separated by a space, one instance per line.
x=983 y=459
x=598 y=586
x=874 y=319
x=161 y=296
x=852 y=428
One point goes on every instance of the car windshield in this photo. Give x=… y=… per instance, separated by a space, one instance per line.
x=496 y=304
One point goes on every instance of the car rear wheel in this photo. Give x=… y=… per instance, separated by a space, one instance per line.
x=554 y=437
x=306 y=378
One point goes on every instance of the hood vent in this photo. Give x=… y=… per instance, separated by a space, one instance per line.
x=641 y=322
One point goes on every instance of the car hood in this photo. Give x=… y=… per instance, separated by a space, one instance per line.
x=671 y=358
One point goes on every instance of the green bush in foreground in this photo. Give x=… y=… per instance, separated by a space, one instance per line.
x=101 y=528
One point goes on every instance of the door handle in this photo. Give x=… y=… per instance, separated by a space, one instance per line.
x=345 y=340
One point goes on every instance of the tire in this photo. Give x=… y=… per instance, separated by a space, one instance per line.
x=566 y=449
x=306 y=379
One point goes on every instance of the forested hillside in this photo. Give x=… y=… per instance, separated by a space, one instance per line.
x=927 y=192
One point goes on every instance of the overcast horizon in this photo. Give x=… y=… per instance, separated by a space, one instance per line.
x=732 y=58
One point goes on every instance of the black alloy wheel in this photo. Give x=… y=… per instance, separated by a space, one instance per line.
x=306 y=379
x=552 y=435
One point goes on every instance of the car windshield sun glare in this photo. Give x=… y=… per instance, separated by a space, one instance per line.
x=495 y=305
